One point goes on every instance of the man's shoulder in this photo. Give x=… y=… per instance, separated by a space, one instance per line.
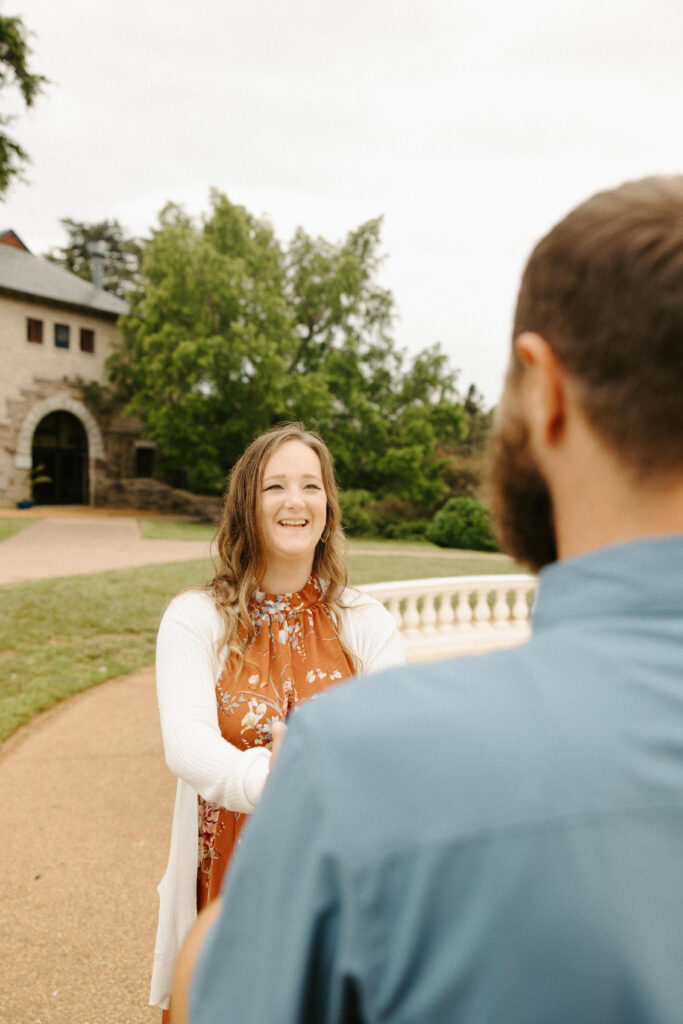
x=461 y=681
x=398 y=745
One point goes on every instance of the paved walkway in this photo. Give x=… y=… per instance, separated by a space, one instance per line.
x=86 y=805
x=68 y=546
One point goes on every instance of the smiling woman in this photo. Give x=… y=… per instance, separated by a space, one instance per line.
x=276 y=626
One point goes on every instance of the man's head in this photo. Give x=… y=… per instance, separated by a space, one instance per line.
x=600 y=308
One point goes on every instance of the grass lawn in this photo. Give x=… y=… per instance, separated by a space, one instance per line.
x=10 y=526
x=387 y=566
x=172 y=529
x=58 y=637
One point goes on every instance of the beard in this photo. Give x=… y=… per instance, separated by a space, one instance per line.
x=521 y=504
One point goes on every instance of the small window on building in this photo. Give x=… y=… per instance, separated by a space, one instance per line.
x=87 y=340
x=34 y=331
x=62 y=335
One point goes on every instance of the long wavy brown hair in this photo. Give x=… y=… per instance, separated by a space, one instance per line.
x=239 y=539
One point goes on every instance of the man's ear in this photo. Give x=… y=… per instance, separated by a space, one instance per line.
x=544 y=386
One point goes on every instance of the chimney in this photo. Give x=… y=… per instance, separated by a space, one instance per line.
x=96 y=251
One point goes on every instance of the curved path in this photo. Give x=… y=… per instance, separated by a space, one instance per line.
x=87 y=803
x=68 y=545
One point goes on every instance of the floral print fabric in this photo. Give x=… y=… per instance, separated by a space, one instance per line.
x=294 y=655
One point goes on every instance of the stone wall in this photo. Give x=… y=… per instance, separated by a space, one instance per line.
x=147 y=494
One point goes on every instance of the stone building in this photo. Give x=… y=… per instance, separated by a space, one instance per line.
x=56 y=331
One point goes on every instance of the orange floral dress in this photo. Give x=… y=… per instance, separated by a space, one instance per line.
x=294 y=655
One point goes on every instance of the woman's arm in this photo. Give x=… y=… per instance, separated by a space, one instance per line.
x=187 y=668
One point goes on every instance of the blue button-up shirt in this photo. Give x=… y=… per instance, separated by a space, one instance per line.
x=485 y=840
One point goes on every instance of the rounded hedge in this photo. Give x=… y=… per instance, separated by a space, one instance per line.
x=462 y=523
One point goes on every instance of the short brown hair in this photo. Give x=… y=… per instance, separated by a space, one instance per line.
x=605 y=289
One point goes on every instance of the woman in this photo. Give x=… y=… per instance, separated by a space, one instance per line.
x=275 y=626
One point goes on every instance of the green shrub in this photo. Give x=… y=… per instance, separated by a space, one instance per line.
x=414 y=529
x=392 y=517
x=462 y=523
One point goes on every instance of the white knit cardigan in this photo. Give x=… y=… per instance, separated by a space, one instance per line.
x=188 y=666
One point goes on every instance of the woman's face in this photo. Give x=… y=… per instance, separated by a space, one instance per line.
x=293 y=504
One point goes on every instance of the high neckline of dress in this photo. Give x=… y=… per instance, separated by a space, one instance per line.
x=308 y=595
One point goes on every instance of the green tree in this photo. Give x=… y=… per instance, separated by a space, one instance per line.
x=381 y=417
x=230 y=332
x=14 y=70
x=465 y=463
x=478 y=423
x=120 y=253
x=204 y=359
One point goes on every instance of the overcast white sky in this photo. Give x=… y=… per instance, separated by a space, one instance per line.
x=470 y=126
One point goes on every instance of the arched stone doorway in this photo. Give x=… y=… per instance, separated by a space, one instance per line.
x=60 y=451
x=61 y=402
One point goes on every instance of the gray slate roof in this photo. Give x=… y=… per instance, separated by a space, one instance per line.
x=36 y=277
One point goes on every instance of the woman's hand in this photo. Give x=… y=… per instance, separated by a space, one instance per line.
x=279 y=733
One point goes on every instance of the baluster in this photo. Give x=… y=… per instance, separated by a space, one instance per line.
x=463 y=612
x=411 y=616
x=482 y=612
x=446 y=613
x=428 y=617
x=520 y=608
x=501 y=611
x=395 y=609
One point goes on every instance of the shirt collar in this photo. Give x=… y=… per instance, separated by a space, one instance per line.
x=641 y=577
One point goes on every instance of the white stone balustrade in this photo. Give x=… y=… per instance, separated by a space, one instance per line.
x=458 y=614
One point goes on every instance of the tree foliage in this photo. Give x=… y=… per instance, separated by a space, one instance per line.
x=479 y=422
x=14 y=70
x=230 y=332
x=120 y=253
